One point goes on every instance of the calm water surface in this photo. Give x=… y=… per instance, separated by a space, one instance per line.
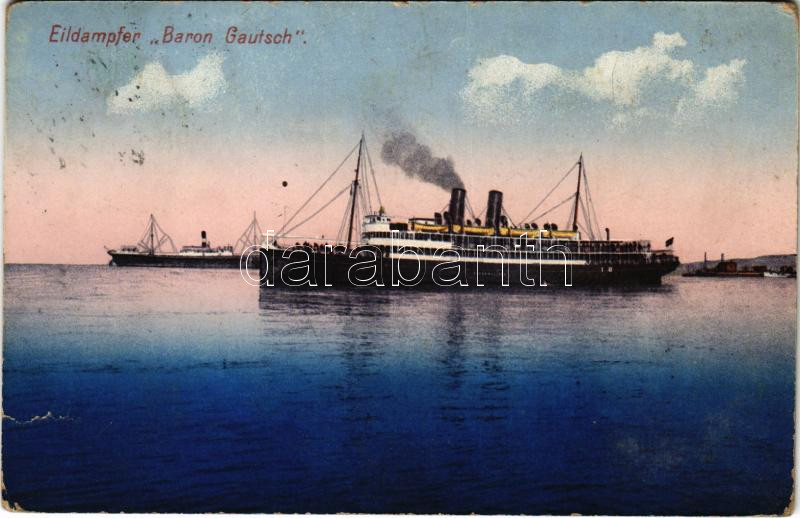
x=178 y=390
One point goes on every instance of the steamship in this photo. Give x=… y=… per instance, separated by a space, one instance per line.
x=451 y=250
x=156 y=249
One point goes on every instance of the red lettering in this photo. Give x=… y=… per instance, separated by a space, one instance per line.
x=53 y=32
x=230 y=36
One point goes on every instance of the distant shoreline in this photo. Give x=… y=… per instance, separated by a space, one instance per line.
x=772 y=261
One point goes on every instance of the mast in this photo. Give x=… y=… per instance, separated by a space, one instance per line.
x=255 y=226
x=153 y=238
x=250 y=236
x=354 y=193
x=577 y=194
x=152 y=231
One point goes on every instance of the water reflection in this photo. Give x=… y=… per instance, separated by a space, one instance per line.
x=454 y=343
x=207 y=396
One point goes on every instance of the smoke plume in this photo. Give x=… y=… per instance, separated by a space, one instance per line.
x=416 y=160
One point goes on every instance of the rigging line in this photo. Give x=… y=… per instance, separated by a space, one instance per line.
x=368 y=208
x=340 y=233
x=366 y=181
x=364 y=192
x=545 y=213
x=281 y=231
x=160 y=234
x=347 y=211
x=591 y=201
x=320 y=210
x=147 y=230
x=585 y=212
x=366 y=205
x=508 y=216
x=571 y=212
x=171 y=244
x=591 y=214
x=469 y=207
x=146 y=237
x=363 y=182
x=365 y=202
x=357 y=221
x=372 y=171
x=588 y=219
x=551 y=191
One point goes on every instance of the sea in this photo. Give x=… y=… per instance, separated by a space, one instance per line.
x=171 y=390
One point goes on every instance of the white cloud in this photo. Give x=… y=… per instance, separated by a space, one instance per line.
x=154 y=87
x=619 y=76
x=720 y=83
x=490 y=81
x=718 y=87
x=503 y=88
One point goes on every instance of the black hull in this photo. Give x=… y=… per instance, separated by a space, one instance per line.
x=177 y=261
x=334 y=270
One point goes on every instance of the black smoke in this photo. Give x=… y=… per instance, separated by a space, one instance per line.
x=401 y=148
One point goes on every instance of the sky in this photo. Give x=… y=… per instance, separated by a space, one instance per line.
x=685 y=113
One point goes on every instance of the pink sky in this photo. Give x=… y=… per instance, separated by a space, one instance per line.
x=686 y=115
x=706 y=201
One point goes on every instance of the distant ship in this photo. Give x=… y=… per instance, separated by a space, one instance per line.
x=731 y=269
x=156 y=249
x=466 y=252
x=781 y=275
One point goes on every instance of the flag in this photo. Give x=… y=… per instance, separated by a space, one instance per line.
x=669 y=242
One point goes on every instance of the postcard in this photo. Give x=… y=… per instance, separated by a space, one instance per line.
x=427 y=258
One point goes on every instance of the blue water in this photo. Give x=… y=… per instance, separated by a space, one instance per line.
x=170 y=390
